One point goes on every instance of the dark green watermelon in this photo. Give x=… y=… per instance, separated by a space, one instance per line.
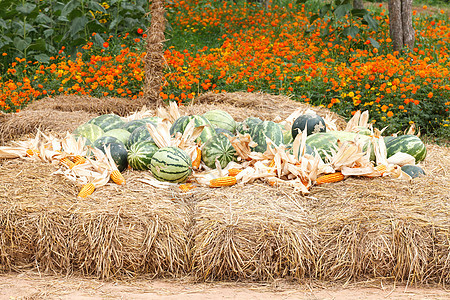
x=413 y=170
x=218 y=147
x=140 y=134
x=248 y=125
x=313 y=123
x=118 y=150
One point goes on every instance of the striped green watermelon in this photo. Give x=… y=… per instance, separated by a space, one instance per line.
x=221 y=119
x=107 y=122
x=409 y=144
x=325 y=141
x=171 y=164
x=140 y=155
x=119 y=133
x=140 y=134
x=248 y=125
x=154 y=120
x=218 y=147
x=90 y=131
x=287 y=137
x=180 y=124
x=118 y=151
x=220 y=131
x=130 y=126
x=268 y=129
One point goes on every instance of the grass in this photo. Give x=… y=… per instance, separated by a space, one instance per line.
x=225 y=46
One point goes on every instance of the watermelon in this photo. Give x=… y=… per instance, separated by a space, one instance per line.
x=221 y=119
x=107 y=122
x=413 y=170
x=119 y=133
x=180 y=124
x=118 y=150
x=220 y=131
x=308 y=150
x=325 y=141
x=130 y=126
x=248 y=125
x=287 y=137
x=171 y=164
x=218 y=147
x=409 y=144
x=154 y=120
x=140 y=155
x=311 y=121
x=90 y=131
x=140 y=134
x=268 y=129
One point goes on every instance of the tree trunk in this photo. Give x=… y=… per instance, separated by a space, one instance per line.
x=395 y=24
x=400 y=24
x=408 y=29
x=358 y=4
x=154 y=58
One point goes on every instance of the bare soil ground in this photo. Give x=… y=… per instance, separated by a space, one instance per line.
x=31 y=285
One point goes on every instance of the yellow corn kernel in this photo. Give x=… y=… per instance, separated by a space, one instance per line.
x=31 y=152
x=223 y=181
x=198 y=159
x=329 y=178
x=86 y=190
x=381 y=169
x=67 y=162
x=186 y=187
x=78 y=160
x=233 y=172
x=117 y=177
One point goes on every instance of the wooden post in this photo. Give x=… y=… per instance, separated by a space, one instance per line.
x=154 y=58
x=408 y=29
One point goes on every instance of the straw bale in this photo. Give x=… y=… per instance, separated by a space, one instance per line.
x=252 y=233
x=25 y=124
x=118 y=232
x=98 y=106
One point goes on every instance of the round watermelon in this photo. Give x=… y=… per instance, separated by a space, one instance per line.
x=218 y=147
x=268 y=129
x=171 y=164
x=409 y=144
x=107 y=122
x=313 y=123
x=118 y=150
x=308 y=150
x=140 y=155
x=180 y=125
x=220 y=131
x=119 y=133
x=248 y=125
x=221 y=119
x=413 y=170
x=89 y=131
x=140 y=134
x=130 y=126
x=287 y=137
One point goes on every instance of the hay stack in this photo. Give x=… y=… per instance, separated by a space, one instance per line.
x=357 y=229
x=25 y=123
x=252 y=233
x=97 y=106
x=115 y=233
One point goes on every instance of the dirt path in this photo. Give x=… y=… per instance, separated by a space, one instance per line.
x=32 y=286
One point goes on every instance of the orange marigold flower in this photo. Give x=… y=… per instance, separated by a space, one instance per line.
x=390 y=114
x=430 y=95
x=140 y=30
x=105 y=45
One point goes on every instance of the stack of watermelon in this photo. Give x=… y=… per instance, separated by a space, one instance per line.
x=132 y=145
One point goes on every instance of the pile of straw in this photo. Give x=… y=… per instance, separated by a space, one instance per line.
x=357 y=229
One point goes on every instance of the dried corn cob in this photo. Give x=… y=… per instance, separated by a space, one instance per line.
x=233 y=172
x=117 y=177
x=31 y=152
x=198 y=159
x=334 y=177
x=223 y=181
x=67 y=162
x=86 y=190
x=186 y=187
x=78 y=160
x=381 y=169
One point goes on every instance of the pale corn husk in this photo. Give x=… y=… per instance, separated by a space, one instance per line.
x=401 y=159
x=160 y=134
x=137 y=115
x=7 y=152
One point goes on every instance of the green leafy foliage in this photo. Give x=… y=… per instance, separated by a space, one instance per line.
x=36 y=30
